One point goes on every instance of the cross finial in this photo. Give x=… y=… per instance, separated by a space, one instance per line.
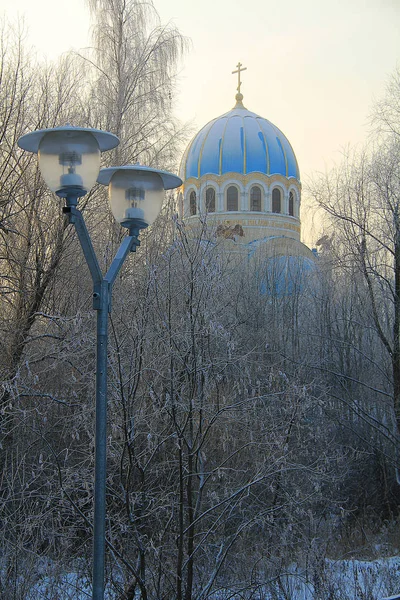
x=239 y=70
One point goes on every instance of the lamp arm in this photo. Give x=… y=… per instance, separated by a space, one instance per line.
x=128 y=244
x=75 y=218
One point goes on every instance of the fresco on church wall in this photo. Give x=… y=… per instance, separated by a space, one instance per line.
x=230 y=232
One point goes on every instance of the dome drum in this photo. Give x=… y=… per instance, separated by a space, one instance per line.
x=259 y=197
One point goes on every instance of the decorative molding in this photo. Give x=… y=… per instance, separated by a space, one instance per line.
x=244 y=179
x=237 y=218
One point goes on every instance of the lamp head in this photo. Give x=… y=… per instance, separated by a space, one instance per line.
x=136 y=193
x=69 y=157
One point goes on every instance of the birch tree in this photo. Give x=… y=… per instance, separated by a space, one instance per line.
x=135 y=60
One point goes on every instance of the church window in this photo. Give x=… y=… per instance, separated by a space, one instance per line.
x=193 y=203
x=276 y=200
x=232 y=198
x=291 y=204
x=255 y=198
x=210 y=200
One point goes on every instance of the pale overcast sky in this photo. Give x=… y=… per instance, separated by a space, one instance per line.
x=313 y=67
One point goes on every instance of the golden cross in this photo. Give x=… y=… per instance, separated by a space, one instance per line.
x=239 y=70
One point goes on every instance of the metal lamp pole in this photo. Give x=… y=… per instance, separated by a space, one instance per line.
x=102 y=293
x=69 y=159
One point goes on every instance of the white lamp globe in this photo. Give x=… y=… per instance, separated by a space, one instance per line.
x=69 y=160
x=136 y=193
x=69 y=157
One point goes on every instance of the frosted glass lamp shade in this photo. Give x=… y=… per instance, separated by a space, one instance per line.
x=69 y=157
x=136 y=192
x=135 y=196
x=69 y=160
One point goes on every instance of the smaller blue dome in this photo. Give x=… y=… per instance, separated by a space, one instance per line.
x=286 y=275
x=285 y=265
x=239 y=141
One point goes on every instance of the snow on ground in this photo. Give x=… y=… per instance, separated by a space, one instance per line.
x=339 y=580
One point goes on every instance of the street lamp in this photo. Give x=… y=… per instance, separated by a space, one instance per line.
x=136 y=192
x=69 y=160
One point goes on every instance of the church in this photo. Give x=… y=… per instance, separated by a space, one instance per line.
x=240 y=173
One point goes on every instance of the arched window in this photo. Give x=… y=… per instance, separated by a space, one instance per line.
x=193 y=203
x=255 y=198
x=276 y=200
x=232 y=198
x=210 y=200
x=291 y=204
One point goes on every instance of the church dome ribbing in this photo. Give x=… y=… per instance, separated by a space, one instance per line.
x=239 y=141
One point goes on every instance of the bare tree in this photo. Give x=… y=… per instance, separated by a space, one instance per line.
x=385 y=115
x=362 y=197
x=207 y=433
x=32 y=242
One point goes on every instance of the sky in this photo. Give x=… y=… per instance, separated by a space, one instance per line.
x=314 y=68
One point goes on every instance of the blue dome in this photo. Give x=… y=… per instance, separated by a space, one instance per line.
x=239 y=142
x=286 y=275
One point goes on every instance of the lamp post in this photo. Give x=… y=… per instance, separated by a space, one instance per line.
x=69 y=160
